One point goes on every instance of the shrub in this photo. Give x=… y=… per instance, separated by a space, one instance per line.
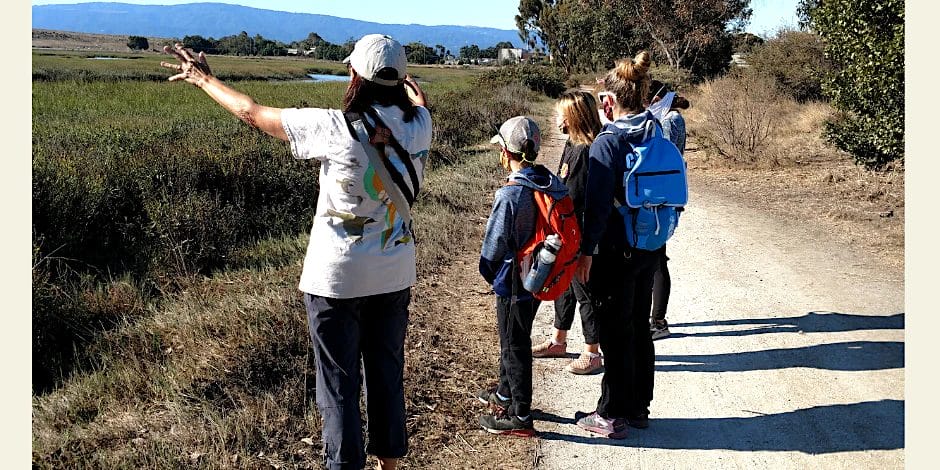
x=865 y=42
x=549 y=81
x=740 y=113
x=672 y=78
x=796 y=59
x=138 y=43
x=469 y=116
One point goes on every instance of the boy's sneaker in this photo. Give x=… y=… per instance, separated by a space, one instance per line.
x=550 y=349
x=585 y=364
x=507 y=425
x=610 y=428
x=659 y=329
x=489 y=398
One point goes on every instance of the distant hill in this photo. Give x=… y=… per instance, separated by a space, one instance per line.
x=219 y=19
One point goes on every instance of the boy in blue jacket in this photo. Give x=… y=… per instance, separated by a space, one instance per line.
x=510 y=225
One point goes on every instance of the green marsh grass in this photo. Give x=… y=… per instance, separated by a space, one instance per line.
x=168 y=238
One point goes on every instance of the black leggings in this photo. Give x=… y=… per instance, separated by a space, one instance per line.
x=565 y=307
x=662 y=284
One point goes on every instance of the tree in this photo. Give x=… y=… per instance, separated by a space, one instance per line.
x=419 y=53
x=470 y=52
x=746 y=42
x=865 y=43
x=580 y=34
x=199 y=44
x=138 y=43
x=688 y=33
x=330 y=51
x=796 y=60
x=592 y=34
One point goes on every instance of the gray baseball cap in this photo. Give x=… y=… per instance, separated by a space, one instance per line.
x=375 y=52
x=514 y=133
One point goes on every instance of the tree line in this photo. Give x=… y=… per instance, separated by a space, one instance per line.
x=849 y=52
x=318 y=48
x=588 y=35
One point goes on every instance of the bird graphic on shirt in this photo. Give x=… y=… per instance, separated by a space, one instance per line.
x=353 y=225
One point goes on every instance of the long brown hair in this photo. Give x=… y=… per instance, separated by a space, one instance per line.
x=579 y=109
x=361 y=94
x=629 y=81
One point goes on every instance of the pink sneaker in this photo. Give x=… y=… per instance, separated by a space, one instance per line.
x=584 y=364
x=549 y=349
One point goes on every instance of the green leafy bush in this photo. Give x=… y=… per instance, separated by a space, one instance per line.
x=796 y=59
x=865 y=43
x=549 y=81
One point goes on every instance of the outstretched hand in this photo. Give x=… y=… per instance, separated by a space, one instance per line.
x=191 y=69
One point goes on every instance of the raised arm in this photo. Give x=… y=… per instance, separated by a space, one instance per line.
x=197 y=72
x=415 y=93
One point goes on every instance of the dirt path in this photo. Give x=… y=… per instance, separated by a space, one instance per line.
x=787 y=351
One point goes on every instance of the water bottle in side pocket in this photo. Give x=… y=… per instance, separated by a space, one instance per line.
x=542 y=265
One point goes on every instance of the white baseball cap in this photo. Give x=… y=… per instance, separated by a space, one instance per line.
x=375 y=52
x=514 y=133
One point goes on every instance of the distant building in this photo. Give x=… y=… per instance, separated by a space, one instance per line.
x=739 y=60
x=299 y=52
x=512 y=55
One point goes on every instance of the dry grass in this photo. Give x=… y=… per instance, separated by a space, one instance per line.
x=218 y=376
x=801 y=178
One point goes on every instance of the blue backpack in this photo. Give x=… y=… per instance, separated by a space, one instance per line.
x=656 y=192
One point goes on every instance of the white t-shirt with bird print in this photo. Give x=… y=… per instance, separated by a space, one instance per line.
x=358 y=245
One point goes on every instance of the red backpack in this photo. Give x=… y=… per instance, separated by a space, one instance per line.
x=553 y=216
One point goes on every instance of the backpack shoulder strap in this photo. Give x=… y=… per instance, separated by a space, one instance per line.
x=393 y=175
x=394 y=184
x=403 y=154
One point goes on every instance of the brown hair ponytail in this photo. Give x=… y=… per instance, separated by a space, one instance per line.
x=629 y=81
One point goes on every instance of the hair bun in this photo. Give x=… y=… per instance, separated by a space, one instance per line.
x=642 y=62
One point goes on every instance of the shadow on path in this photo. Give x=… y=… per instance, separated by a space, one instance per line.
x=873 y=425
x=812 y=322
x=850 y=356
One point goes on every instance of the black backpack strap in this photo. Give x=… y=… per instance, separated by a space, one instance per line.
x=403 y=154
x=351 y=117
x=392 y=171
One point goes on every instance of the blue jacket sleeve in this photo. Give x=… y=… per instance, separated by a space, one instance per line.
x=667 y=128
x=599 y=194
x=496 y=242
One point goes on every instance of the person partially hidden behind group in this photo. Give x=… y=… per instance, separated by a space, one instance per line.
x=576 y=116
x=674 y=130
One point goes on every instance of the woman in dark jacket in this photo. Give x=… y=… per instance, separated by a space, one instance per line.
x=619 y=277
x=575 y=115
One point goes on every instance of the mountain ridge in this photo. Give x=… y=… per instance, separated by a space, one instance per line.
x=211 y=19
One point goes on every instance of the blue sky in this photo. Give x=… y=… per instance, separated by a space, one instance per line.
x=768 y=14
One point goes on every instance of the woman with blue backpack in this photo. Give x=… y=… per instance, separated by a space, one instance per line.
x=620 y=240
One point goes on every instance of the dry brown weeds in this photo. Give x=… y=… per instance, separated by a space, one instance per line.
x=800 y=177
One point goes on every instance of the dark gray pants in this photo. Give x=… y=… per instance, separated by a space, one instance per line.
x=566 y=305
x=514 y=321
x=662 y=284
x=620 y=288
x=366 y=332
